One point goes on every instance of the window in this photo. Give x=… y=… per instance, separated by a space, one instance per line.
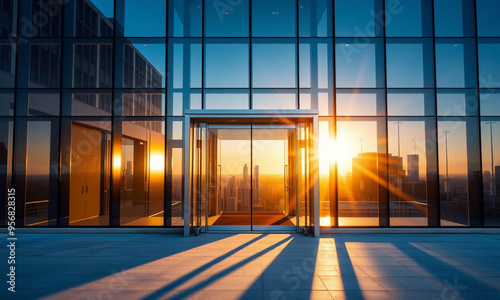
x=274 y=18
x=226 y=99
x=490 y=139
x=361 y=19
x=274 y=99
x=227 y=19
x=455 y=102
x=409 y=63
x=359 y=65
x=89 y=18
x=411 y=148
x=184 y=18
x=274 y=65
x=361 y=144
x=360 y=102
x=410 y=102
x=455 y=63
x=408 y=18
x=137 y=19
x=143 y=166
x=454 y=18
x=489 y=63
x=315 y=18
x=40 y=18
x=140 y=63
x=7 y=65
x=226 y=65
x=488 y=23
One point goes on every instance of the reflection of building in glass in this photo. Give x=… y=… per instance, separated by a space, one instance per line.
x=255 y=187
x=413 y=167
x=244 y=191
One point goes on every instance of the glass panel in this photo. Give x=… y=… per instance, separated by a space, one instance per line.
x=490 y=137
x=89 y=104
x=6 y=104
x=489 y=63
x=143 y=65
x=488 y=23
x=315 y=18
x=360 y=102
x=452 y=145
x=177 y=130
x=316 y=74
x=185 y=74
x=277 y=100
x=456 y=102
x=230 y=173
x=409 y=63
x=185 y=17
x=89 y=18
x=134 y=19
x=6 y=142
x=274 y=18
x=44 y=66
x=455 y=63
x=358 y=160
x=92 y=65
x=89 y=172
x=226 y=65
x=326 y=176
x=490 y=102
x=410 y=102
x=225 y=19
x=7 y=64
x=359 y=64
x=177 y=171
x=407 y=18
x=8 y=18
x=41 y=183
x=198 y=177
x=407 y=173
x=224 y=99
x=142 y=169
x=364 y=19
x=43 y=104
x=303 y=176
x=40 y=18
x=454 y=17
x=147 y=104
x=274 y=65
x=273 y=198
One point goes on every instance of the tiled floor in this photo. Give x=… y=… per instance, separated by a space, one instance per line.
x=255 y=266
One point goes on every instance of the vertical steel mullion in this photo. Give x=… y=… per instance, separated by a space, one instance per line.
x=478 y=97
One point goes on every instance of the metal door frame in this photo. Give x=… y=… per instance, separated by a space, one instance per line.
x=253 y=117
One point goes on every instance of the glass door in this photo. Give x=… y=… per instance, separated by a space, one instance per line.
x=303 y=177
x=273 y=200
x=198 y=178
x=229 y=178
x=250 y=177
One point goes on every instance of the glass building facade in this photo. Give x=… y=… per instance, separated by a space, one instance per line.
x=97 y=99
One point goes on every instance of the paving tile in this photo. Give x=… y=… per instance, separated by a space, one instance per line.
x=258 y=266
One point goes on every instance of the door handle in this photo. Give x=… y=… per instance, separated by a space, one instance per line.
x=86 y=189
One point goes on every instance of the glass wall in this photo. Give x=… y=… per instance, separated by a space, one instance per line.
x=93 y=97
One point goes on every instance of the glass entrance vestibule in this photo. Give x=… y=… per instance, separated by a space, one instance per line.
x=251 y=174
